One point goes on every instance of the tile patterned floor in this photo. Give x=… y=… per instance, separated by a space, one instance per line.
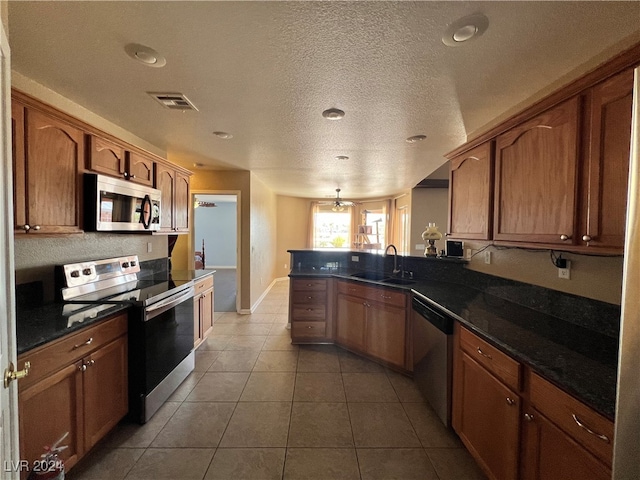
x=257 y=407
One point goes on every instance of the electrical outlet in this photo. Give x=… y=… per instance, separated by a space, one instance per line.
x=149 y=247
x=565 y=273
x=285 y=266
x=487 y=257
x=355 y=258
x=420 y=246
x=467 y=253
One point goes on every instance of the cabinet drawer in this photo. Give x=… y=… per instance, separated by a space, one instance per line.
x=59 y=353
x=309 y=297
x=203 y=284
x=375 y=294
x=308 y=312
x=590 y=429
x=312 y=284
x=308 y=329
x=498 y=363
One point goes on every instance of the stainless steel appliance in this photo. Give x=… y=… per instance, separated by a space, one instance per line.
x=432 y=356
x=116 y=205
x=161 y=328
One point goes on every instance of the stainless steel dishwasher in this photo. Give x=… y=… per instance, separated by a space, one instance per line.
x=432 y=356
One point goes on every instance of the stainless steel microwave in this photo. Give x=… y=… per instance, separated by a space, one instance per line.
x=115 y=205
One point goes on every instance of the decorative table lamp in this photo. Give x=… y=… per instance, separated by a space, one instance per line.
x=430 y=235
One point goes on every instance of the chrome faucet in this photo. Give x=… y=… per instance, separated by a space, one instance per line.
x=396 y=270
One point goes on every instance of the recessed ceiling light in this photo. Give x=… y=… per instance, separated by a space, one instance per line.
x=223 y=135
x=145 y=55
x=416 y=138
x=333 y=114
x=342 y=157
x=465 y=29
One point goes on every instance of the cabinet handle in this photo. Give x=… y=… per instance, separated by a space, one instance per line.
x=309 y=327
x=510 y=401
x=26 y=228
x=88 y=342
x=528 y=417
x=132 y=176
x=386 y=297
x=309 y=309
x=586 y=238
x=486 y=355
x=602 y=437
x=90 y=363
x=564 y=237
x=82 y=367
x=309 y=297
x=36 y=227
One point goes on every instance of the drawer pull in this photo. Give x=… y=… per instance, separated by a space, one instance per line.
x=88 y=342
x=309 y=297
x=486 y=355
x=353 y=289
x=309 y=309
x=309 y=327
x=510 y=401
x=386 y=297
x=602 y=437
x=309 y=284
x=528 y=417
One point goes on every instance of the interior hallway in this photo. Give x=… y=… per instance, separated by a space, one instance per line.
x=258 y=407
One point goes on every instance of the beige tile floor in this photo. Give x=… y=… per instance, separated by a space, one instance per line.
x=257 y=407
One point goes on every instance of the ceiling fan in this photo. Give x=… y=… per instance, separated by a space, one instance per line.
x=339 y=204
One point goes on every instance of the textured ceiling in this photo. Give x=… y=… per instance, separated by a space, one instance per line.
x=264 y=72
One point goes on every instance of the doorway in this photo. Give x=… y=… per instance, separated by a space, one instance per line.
x=215 y=244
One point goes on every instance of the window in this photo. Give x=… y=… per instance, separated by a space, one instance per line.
x=331 y=229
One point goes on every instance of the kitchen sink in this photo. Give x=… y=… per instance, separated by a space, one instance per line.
x=398 y=281
x=370 y=275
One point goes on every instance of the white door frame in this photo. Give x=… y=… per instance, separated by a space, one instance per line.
x=9 y=443
x=192 y=249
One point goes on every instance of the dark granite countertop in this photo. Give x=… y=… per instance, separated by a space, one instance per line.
x=582 y=362
x=39 y=325
x=190 y=274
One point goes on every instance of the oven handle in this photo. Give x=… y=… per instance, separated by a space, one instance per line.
x=167 y=304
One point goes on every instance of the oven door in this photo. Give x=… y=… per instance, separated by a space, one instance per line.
x=160 y=351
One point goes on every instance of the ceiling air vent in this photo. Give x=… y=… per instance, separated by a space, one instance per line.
x=173 y=101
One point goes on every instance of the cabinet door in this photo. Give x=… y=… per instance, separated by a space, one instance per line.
x=610 y=140
x=48 y=410
x=471 y=194
x=550 y=454
x=18 y=157
x=206 y=312
x=181 y=203
x=105 y=389
x=487 y=419
x=140 y=168
x=106 y=157
x=166 y=183
x=54 y=160
x=535 y=179
x=350 y=321
x=385 y=333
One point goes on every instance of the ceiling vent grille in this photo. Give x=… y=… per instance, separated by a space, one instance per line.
x=173 y=101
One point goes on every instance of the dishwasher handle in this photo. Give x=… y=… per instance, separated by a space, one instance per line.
x=442 y=322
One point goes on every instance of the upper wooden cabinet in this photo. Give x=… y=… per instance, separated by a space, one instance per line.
x=175 y=201
x=105 y=157
x=48 y=158
x=111 y=158
x=471 y=194
x=607 y=170
x=536 y=178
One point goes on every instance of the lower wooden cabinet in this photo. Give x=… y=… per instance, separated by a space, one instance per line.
x=487 y=419
x=310 y=310
x=373 y=321
x=82 y=389
x=203 y=310
x=527 y=429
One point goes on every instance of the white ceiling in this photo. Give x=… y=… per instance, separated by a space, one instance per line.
x=264 y=72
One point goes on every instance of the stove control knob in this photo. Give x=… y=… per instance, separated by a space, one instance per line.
x=125 y=265
x=75 y=273
x=86 y=271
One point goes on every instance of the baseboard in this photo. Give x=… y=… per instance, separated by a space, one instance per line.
x=249 y=311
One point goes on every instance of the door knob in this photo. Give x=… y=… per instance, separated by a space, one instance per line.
x=11 y=374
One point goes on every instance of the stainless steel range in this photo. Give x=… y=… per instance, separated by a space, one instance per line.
x=160 y=324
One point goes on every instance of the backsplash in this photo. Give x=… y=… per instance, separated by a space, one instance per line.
x=584 y=312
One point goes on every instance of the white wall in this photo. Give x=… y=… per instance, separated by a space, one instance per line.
x=218 y=227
